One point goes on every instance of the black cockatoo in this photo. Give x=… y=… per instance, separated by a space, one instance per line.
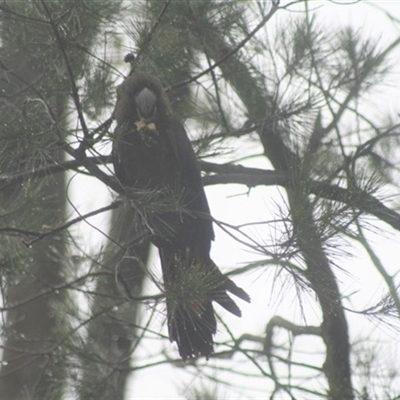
x=151 y=152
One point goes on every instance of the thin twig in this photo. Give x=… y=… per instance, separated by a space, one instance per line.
x=74 y=88
x=42 y=235
x=229 y=54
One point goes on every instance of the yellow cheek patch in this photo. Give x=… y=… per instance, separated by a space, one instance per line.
x=142 y=125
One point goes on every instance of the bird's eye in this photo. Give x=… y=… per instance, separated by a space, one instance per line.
x=146 y=104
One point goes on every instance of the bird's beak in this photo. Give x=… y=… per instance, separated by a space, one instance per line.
x=146 y=104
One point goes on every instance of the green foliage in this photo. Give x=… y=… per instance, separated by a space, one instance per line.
x=43 y=63
x=296 y=96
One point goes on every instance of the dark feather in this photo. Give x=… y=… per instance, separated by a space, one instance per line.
x=151 y=151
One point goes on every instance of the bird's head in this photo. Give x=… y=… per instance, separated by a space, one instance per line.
x=146 y=108
x=146 y=104
x=141 y=101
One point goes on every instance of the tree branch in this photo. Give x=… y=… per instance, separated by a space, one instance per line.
x=224 y=174
x=230 y=53
x=74 y=88
x=252 y=177
x=49 y=169
x=42 y=235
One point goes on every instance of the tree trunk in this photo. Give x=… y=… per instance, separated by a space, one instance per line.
x=113 y=333
x=318 y=270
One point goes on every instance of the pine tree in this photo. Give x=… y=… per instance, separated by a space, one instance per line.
x=252 y=82
x=44 y=53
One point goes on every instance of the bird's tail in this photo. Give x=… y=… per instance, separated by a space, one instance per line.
x=190 y=289
x=192 y=324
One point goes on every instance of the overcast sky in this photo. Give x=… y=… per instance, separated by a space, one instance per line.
x=229 y=206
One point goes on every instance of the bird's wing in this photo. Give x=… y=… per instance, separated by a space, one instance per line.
x=119 y=169
x=190 y=174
